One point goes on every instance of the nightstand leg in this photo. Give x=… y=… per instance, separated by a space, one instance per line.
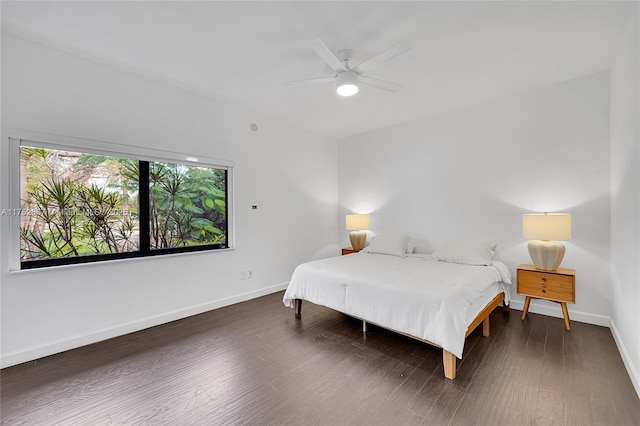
x=526 y=307
x=565 y=313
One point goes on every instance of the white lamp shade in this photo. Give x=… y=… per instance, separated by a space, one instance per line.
x=546 y=226
x=357 y=222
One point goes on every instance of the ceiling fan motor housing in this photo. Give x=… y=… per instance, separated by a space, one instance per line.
x=347 y=77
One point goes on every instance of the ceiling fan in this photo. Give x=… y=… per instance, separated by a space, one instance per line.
x=347 y=77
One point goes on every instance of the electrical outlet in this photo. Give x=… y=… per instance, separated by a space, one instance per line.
x=250 y=273
x=243 y=275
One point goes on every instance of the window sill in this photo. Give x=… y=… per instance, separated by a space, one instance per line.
x=114 y=261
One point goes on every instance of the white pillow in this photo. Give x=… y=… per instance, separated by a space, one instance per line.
x=395 y=245
x=467 y=252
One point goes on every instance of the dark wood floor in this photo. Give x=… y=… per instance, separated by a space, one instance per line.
x=254 y=363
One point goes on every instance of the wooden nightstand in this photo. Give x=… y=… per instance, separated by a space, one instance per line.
x=556 y=286
x=349 y=250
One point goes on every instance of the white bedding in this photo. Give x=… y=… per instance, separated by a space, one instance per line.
x=416 y=295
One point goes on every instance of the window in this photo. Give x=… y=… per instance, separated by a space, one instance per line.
x=187 y=206
x=78 y=207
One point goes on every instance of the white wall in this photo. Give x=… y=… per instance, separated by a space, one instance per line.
x=291 y=175
x=625 y=198
x=472 y=173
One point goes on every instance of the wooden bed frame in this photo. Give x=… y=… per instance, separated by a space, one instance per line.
x=448 y=359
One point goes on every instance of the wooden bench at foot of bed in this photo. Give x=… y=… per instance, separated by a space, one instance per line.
x=448 y=359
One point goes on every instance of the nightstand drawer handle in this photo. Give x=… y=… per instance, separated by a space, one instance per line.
x=544 y=279
x=544 y=291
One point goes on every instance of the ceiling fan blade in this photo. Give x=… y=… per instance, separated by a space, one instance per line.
x=381 y=57
x=381 y=84
x=312 y=80
x=326 y=54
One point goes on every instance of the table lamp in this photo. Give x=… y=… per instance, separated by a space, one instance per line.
x=357 y=224
x=545 y=230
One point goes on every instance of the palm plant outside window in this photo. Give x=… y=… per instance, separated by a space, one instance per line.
x=80 y=207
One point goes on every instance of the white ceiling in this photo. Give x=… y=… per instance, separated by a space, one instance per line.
x=241 y=52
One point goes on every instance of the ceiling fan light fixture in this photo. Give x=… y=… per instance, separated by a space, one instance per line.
x=347 y=89
x=347 y=83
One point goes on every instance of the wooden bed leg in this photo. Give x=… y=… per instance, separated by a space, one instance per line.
x=297 y=306
x=506 y=308
x=486 y=329
x=449 y=362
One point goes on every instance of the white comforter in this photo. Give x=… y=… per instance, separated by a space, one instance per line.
x=415 y=294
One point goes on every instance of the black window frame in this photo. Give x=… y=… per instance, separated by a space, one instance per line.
x=143 y=213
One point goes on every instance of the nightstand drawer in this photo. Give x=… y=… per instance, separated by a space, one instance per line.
x=547 y=286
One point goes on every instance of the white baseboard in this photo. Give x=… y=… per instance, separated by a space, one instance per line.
x=553 y=310
x=626 y=358
x=108 y=333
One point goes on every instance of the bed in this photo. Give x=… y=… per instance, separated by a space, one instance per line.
x=436 y=301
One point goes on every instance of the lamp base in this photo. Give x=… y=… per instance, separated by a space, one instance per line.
x=358 y=239
x=546 y=255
